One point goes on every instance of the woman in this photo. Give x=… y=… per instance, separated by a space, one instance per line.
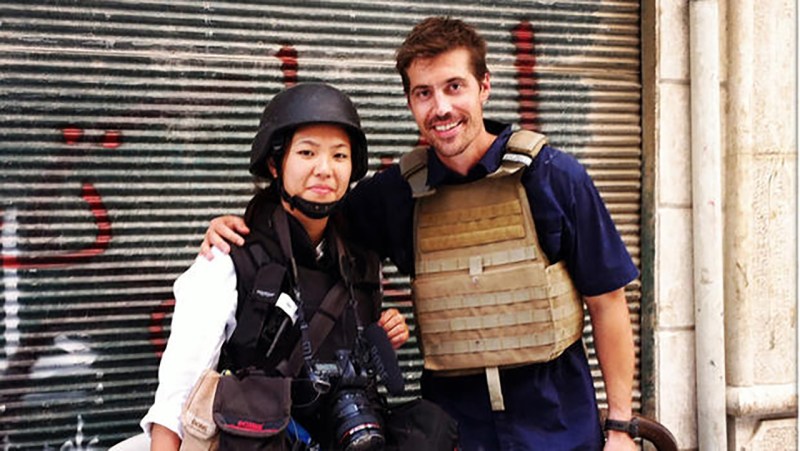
x=257 y=311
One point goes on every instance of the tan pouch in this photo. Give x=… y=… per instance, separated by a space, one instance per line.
x=200 y=433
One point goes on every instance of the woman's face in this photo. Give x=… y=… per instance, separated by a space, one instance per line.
x=317 y=164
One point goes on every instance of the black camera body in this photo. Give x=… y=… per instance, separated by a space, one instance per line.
x=350 y=379
x=354 y=416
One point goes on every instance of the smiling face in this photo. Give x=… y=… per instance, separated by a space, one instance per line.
x=447 y=103
x=317 y=164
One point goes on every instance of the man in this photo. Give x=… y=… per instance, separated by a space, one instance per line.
x=533 y=402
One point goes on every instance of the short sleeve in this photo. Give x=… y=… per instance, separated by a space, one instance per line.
x=573 y=224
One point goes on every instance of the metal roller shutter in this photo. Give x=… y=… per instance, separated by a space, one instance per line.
x=126 y=125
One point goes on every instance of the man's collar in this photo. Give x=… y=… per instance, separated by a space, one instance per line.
x=494 y=156
x=439 y=174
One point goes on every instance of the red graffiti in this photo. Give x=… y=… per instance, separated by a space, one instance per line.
x=525 y=62
x=103 y=238
x=288 y=56
x=72 y=135
x=158 y=336
x=112 y=139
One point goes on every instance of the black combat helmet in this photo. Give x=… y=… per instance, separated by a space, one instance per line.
x=306 y=103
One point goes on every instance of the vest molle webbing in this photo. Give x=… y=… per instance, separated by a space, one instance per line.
x=484 y=293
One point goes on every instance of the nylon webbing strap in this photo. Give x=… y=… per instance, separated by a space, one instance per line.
x=494 y=344
x=313 y=333
x=511 y=318
x=281 y=224
x=470 y=227
x=495 y=391
x=510 y=209
x=483 y=300
x=460 y=290
x=456 y=239
x=259 y=255
x=321 y=324
x=489 y=259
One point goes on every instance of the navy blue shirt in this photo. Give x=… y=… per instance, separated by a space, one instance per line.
x=549 y=405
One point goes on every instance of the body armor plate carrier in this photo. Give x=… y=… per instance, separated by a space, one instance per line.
x=485 y=295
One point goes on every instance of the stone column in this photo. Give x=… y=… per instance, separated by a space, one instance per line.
x=761 y=225
x=669 y=373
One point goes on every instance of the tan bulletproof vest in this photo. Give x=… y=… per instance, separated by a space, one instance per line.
x=485 y=295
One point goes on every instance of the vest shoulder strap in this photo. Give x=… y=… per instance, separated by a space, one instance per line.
x=247 y=260
x=414 y=169
x=522 y=148
x=525 y=142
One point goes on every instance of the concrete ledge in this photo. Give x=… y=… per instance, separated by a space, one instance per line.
x=761 y=400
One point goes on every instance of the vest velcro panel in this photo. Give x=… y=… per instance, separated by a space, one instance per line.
x=484 y=294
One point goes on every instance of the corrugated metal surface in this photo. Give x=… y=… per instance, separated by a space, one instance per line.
x=126 y=126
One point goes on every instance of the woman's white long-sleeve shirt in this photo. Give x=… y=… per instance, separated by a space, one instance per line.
x=204 y=317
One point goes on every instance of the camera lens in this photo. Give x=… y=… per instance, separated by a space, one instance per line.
x=356 y=423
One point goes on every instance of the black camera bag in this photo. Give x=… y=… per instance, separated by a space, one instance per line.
x=252 y=412
x=420 y=425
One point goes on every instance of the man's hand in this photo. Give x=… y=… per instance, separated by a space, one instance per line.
x=619 y=441
x=394 y=323
x=221 y=231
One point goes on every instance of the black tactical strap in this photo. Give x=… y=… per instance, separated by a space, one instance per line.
x=250 y=313
x=257 y=254
x=247 y=260
x=321 y=324
x=281 y=224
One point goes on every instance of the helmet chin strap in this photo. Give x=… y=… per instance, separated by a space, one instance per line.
x=313 y=210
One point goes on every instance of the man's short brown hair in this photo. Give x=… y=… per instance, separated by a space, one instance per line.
x=436 y=35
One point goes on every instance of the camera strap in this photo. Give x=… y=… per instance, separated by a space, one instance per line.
x=330 y=309
x=321 y=325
